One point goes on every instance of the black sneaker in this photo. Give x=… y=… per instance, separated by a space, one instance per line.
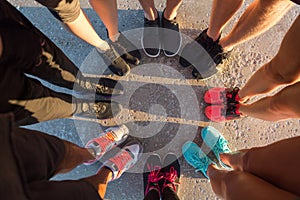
x=127 y=50
x=204 y=62
x=171 y=37
x=151 y=37
x=99 y=110
x=171 y=171
x=115 y=62
x=102 y=86
x=152 y=175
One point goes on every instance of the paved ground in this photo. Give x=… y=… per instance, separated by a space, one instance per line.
x=164 y=92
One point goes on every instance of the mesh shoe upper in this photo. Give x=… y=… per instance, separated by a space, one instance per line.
x=171 y=37
x=151 y=37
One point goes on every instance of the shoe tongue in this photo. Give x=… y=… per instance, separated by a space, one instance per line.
x=119 y=132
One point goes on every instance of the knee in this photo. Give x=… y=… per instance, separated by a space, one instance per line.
x=282 y=107
x=276 y=74
x=231 y=182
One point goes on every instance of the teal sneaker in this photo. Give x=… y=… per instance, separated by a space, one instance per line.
x=196 y=157
x=216 y=142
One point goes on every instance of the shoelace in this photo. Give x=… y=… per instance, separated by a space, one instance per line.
x=103 y=142
x=153 y=177
x=121 y=160
x=99 y=108
x=170 y=178
x=231 y=111
x=221 y=146
x=101 y=88
x=198 y=162
x=232 y=95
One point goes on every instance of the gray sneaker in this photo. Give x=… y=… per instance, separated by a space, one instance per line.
x=115 y=62
x=98 y=110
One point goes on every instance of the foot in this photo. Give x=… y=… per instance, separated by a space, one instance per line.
x=196 y=157
x=222 y=96
x=111 y=138
x=171 y=172
x=115 y=62
x=124 y=159
x=98 y=110
x=151 y=37
x=152 y=174
x=216 y=142
x=220 y=113
x=127 y=50
x=209 y=55
x=102 y=86
x=171 y=37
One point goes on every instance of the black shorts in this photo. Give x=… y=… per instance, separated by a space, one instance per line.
x=38 y=156
x=296 y=1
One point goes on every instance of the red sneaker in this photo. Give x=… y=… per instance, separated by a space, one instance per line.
x=222 y=96
x=220 y=113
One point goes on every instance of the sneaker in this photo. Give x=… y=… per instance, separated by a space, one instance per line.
x=171 y=171
x=151 y=37
x=222 y=96
x=171 y=37
x=220 y=113
x=206 y=59
x=127 y=50
x=115 y=62
x=102 y=86
x=216 y=142
x=152 y=174
x=196 y=157
x=98 y=110
x=111 y=138
x=124 y=159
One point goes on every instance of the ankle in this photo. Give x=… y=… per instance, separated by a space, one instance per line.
x=114 y=36
x=105 y=175
x=169 y=15
x=215 y=36
x=225 y=45
x=152 y=15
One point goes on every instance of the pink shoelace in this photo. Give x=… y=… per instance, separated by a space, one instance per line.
x=171 y=177
x=153 y=177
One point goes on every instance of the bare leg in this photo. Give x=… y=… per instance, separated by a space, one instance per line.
x=283 y=105
x=74 y=156
x=82 y=28
x=149 y=9
x=276 y=163
x=171 y=9
x=108 y=12
x=100 y=180
x=283 y=69
x=259 y=17
x=221 y=12
x=233 y=185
